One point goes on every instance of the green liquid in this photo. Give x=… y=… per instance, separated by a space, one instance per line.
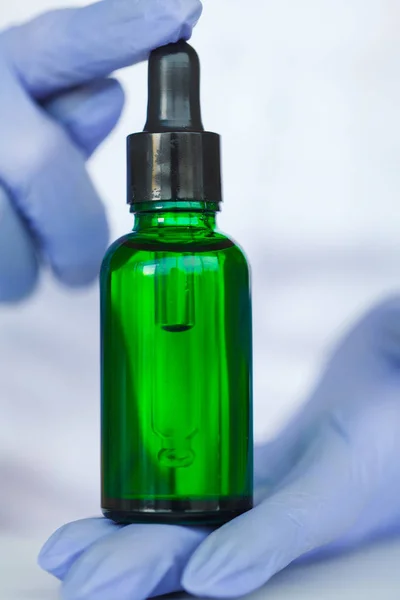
x=176 y=373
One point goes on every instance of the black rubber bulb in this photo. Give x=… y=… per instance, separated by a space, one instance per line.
x=174 y=90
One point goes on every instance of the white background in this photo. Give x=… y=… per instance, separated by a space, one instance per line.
x=307 y=98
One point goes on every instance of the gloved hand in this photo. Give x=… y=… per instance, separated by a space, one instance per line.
x=329 y=482
x=57 y=105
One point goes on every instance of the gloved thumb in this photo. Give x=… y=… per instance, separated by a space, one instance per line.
x=70 y=47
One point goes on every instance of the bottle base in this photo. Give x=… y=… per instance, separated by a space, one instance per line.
x=176 y=512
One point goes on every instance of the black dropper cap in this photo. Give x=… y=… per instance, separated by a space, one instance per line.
x=174 y=159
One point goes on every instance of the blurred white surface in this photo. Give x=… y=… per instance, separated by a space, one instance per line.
x=306 y=96
x=370 y=573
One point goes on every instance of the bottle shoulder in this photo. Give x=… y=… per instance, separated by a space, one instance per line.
x=138 y=247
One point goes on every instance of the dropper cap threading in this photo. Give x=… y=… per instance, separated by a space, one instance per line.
x=174 y=159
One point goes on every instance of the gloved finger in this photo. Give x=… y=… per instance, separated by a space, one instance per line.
x=18 y=258
x=321 y=500
x=89 y=113
x=137 y=561
x=46 y=176
x=65 y=213
x=69 y=542
x=349 y=455
x=69 y=47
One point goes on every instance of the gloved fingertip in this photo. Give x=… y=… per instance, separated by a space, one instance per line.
x=185 y=33
x=200 y=586
x=200 y=577
x=79 y=264
x=195 y=587
x=197 y=10
x=69 y=542
x=16 y=289
x=49 y=559
x=89 y=113
x=189 y=21
x=78 y=276
x=205 y=590
x=222 y=568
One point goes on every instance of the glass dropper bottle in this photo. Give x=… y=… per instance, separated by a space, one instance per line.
x=177 y=441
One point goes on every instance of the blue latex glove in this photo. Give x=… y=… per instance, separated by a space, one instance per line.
x=57 y=105
x=329 y=482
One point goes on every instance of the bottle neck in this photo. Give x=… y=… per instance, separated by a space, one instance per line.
x=195 y=216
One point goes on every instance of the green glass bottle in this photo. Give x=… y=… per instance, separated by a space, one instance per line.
x=177 y=444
